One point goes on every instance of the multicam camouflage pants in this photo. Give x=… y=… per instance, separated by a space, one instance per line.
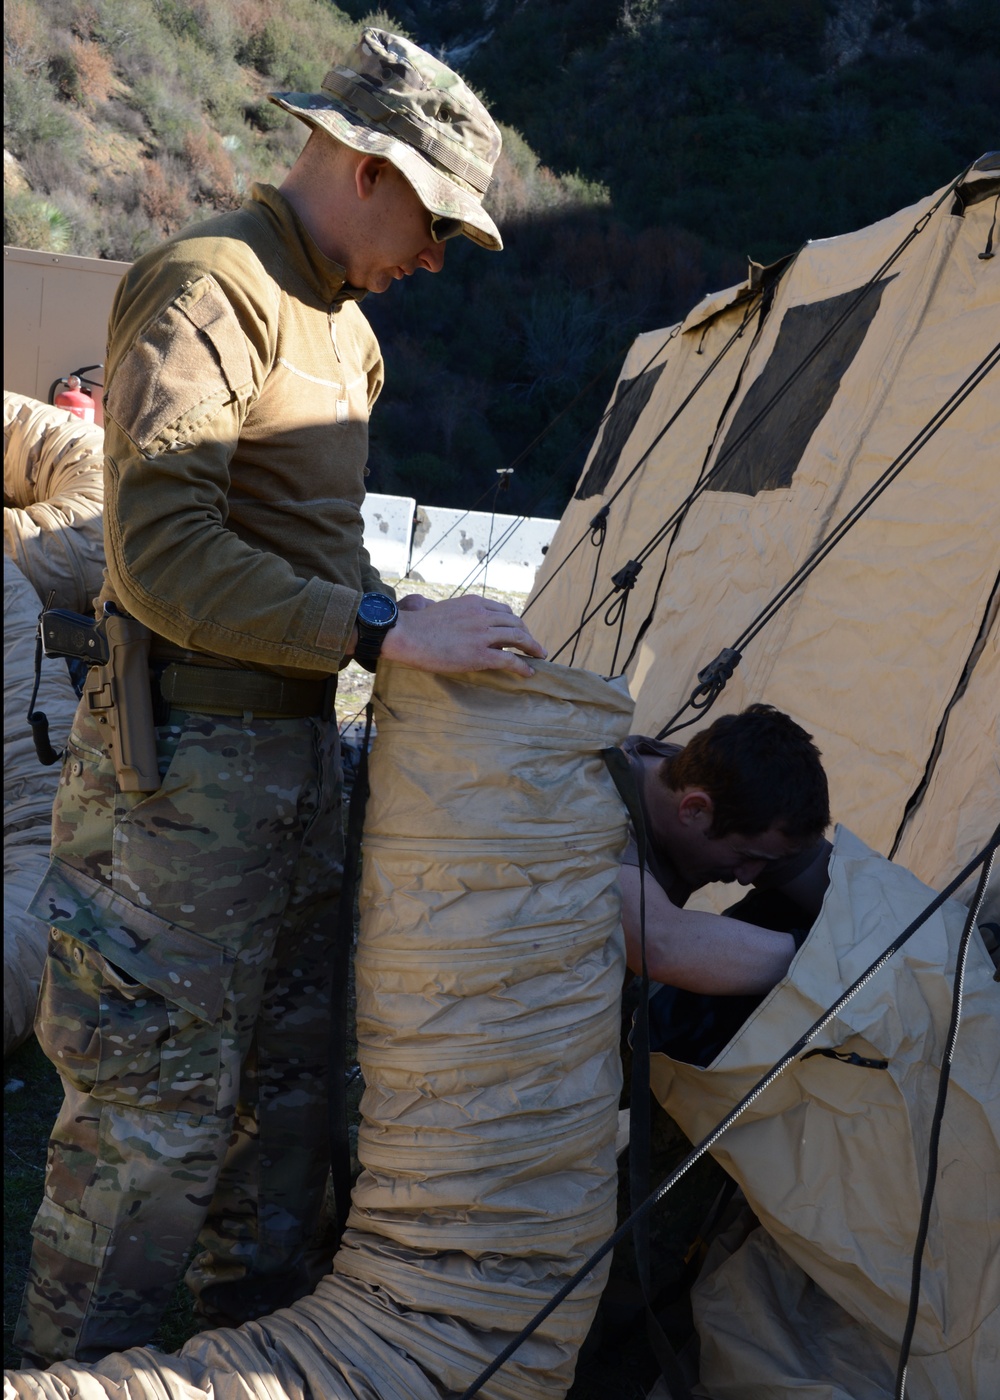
x=185 y=1003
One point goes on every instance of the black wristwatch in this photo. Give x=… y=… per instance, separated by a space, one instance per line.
x=377 y=613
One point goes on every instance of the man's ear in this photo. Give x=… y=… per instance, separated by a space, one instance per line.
x=367 y=174
x=696 y=809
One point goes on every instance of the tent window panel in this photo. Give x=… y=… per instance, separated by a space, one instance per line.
x=767 y=459
x=631 y=397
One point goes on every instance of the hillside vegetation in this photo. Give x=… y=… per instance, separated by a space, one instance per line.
x=650 y=147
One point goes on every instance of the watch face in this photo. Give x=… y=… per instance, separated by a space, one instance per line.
x=377 y=610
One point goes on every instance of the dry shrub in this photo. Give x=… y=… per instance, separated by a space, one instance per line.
x=94 y=72
x=85 y=20
x=54 y=166
x=212 y=166
x=251 y=16
x=25 y=37
x=164 y=196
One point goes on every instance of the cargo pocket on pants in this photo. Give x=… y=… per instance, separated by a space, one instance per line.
x=145 y=998
x=69 y=1235
x=68 y=1253
x=153 y=1053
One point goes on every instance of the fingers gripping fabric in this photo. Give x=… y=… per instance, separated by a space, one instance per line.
x=489 y=969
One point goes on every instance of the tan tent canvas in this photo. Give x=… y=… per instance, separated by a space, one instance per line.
x=791 y=395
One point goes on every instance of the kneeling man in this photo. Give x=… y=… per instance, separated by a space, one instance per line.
x=745 y=800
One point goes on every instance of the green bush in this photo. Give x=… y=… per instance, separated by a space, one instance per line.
x=31 y=112
x=32 y=222
x=168 y=112
x=126 y=27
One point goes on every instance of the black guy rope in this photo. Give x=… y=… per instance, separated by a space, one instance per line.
x=504 y=475
x=598 y=534
x=752 y=309
x=624 y=581
x=525 y=451
x=779 y=393
x=441 y=538
x=712 y=1138
x=713 y=677
x=589 y=434
x=935 y=1134
x=767 y=297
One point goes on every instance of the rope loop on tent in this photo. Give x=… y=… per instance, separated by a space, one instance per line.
x=624 y=582
x=709 y=1141
x=599 y=526
x=713 y=677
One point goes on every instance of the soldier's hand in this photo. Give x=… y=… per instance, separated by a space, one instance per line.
x=462 y=634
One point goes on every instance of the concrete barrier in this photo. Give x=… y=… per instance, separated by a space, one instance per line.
x=388 y=531
x=450 y=546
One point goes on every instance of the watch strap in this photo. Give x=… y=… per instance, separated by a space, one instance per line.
x=368 y=646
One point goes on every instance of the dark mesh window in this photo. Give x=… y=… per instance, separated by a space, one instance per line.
x=631 y=397
x=774 y=448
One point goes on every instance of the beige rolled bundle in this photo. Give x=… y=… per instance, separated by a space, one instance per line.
x=28 y=793
x=53 y=494
x=489 y=971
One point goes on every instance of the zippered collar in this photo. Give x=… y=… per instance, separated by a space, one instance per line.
x=326 y=277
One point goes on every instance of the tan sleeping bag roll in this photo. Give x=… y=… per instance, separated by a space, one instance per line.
x=53 y=496
x=489 y=972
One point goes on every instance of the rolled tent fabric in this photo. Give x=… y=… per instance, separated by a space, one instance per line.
x=53 y=494
x=833 y=1156
x=28 y=793
x=489 y=971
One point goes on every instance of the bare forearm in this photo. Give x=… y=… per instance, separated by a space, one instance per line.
x=701 y=952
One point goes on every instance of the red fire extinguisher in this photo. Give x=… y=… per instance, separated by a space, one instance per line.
x=73 y=393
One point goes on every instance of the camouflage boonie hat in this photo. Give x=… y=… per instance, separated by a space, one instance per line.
x=396 y=100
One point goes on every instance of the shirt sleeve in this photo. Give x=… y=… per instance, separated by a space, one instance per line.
x=178 y=391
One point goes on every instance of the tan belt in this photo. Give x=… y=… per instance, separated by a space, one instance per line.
x=215 y=690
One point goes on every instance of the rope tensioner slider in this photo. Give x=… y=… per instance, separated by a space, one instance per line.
x=626 y=576
x=714 y=676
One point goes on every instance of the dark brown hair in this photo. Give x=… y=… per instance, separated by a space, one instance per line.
x=760 y=769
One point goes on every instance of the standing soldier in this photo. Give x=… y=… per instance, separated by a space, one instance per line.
x=185 y=1001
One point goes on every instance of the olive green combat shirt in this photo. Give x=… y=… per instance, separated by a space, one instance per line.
x=240 y=376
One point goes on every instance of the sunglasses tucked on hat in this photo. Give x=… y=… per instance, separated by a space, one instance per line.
x=396 y=100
